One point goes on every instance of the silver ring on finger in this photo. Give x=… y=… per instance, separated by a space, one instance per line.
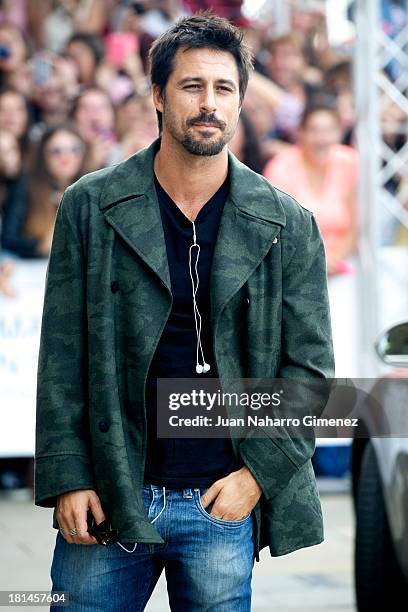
x=73 y=531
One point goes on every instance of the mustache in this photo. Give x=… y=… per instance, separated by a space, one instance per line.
x=203 y=118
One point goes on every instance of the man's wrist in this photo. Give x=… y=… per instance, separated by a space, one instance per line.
x=248 y=474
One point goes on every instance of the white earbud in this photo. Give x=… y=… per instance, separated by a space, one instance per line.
x=204 y=367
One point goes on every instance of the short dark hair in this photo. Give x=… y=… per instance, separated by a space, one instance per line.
x=204 y=30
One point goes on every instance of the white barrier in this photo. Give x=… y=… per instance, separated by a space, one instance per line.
x=20 y=326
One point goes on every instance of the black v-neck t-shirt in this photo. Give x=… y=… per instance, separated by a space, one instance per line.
x=181 y=462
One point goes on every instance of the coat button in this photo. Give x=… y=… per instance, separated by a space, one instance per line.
x=104 y=425
x=114 y=286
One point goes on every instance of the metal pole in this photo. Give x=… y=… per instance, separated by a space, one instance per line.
x=378 y=82
x=366 y=68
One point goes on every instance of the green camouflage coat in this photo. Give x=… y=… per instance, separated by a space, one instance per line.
x=107 y=300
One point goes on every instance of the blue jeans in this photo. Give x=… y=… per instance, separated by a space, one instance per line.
x=207 y=561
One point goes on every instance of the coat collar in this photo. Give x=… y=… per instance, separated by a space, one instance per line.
x=249 y=192
x=251 y=220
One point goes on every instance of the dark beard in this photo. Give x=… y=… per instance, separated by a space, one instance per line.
x=203 y=147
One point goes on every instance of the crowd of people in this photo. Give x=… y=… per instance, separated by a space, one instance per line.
x=75 y=97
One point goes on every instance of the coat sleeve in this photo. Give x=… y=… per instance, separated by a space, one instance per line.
x=306 y=354
x=62 y=461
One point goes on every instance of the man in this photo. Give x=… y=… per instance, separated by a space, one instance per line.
x=179 y=262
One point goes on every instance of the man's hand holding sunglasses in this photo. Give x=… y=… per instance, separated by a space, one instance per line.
x=72 y=512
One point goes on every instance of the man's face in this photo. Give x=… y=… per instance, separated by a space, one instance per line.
x=200 y=105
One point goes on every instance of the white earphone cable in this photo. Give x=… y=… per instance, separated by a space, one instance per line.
x=204 y=367
x=155 y=519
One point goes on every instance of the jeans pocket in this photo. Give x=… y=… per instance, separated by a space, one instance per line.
x=214 y=519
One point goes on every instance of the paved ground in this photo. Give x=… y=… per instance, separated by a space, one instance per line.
x=313 y=580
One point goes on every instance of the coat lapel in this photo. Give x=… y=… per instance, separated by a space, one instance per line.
x=250 y=224
x=138 y=222
x=130 y=206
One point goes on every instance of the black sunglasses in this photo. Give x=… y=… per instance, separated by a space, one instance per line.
x=103 y=533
